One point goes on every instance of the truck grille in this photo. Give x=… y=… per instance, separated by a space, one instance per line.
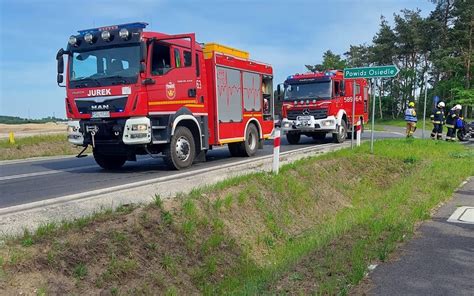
x=112 y=104
x=317 y=113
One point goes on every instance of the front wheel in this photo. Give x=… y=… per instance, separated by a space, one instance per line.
x=462 y=136
x=293 y=138
x=181 y=152
x=109 y=162
x=341 y=133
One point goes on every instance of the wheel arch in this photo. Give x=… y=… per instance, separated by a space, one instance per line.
x=253 y=120
x=341 y=115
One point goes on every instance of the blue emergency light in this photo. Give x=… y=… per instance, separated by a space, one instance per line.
x=137 y=25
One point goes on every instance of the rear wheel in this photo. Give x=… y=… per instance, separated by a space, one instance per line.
x=250 y=145
x=109 y=162
x=181 y=152
x=341 y=133
x=293 y=138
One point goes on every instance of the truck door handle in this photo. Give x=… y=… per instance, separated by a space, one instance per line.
x=192 y=92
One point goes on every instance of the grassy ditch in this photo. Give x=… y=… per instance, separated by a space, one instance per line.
x=34 y=146
x=314 y=228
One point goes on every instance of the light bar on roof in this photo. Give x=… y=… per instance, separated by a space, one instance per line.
x=138 y=25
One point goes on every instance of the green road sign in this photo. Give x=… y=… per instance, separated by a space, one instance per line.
x=371 y=72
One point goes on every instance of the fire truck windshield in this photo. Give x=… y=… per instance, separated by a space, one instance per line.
x=105 y=66
x=314 y=90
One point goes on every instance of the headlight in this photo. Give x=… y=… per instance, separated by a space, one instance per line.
x=105 y=35
x=286 y=124
x=72 y=129
x=72 y=40
x=89 y=38
x=139 y=127
x=124 y=34
x=327 y=122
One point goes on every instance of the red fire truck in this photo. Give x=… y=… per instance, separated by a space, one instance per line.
x=132 y=92
x=315 y=104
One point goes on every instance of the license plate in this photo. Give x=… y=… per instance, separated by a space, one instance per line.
x=304 y=118
x=100 y=114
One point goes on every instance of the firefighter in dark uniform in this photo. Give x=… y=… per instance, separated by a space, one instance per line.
x=437 y=118
x=451 y=119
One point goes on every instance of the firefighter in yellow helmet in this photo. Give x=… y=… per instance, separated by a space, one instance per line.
x=411 y=119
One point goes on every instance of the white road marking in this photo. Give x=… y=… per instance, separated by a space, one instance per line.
x=49 y=172
x=184 y=174
x=462 y=215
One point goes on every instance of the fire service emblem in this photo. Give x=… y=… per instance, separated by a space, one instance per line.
x=170 y=90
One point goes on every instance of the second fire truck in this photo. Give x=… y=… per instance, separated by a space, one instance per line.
x=132 y=92
x=317 y=104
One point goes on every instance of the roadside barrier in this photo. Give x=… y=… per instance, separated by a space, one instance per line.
x=11 y=138
x=276 y=151
x=359 y=133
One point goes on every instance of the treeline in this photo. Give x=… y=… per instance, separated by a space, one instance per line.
x=436 y=51
x=19 y=120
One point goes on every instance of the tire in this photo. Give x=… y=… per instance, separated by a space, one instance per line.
x=340 y=136
x=319 y=136
x=181 y=151
x=462 y=136
x=109 y=162
x=250 y=145
x=293 y=138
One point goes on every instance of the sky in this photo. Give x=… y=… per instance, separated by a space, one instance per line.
x=286 y=34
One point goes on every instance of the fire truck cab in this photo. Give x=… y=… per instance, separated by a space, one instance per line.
x=132 y=92
x=315 y=104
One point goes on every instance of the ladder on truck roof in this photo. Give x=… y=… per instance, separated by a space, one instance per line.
x=209 y=48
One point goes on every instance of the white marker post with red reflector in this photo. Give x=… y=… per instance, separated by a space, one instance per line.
x=276 y=151
x=359 y=133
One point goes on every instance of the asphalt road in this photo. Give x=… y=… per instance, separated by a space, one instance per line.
x=31 y=181
x=438 y=261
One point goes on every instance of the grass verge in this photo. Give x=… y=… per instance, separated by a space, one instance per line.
x=314 y=228
x=42 y=145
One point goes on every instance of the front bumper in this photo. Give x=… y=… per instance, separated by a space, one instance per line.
x=131 y=131
x=309 y=124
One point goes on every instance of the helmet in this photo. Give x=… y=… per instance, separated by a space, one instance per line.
x=458 y=107
x=411 y=104
x=441 y=105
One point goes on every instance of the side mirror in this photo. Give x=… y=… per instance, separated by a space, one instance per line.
x=60 y=78
x=142 y=67
x=60 y=59
x=342 y=90
x=143 y=49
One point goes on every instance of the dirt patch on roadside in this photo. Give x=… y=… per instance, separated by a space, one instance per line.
x=32 y=129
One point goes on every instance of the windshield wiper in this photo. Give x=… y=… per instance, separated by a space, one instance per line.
x=121 y=81
x=85 y=79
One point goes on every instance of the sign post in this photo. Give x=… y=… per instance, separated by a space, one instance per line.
x=387 y=71
x=424 y=110
x=353 y=112
x=373 y=119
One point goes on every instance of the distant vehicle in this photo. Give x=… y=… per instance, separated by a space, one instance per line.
x=131 y=92
x=315 y=104
x=465 y=131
